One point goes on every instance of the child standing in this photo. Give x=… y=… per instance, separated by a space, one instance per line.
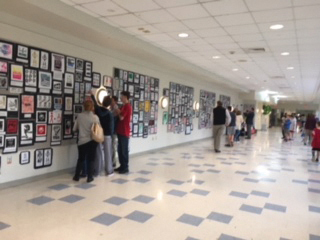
x=286 y=128
x=316 y=142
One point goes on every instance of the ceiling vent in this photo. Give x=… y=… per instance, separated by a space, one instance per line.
x=277 y=77
x=254 y=50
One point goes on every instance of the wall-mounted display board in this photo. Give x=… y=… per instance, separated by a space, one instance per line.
x=40 y=92
x=207 y=103
x=181 y=111
x=144 y=92
x=226 y=101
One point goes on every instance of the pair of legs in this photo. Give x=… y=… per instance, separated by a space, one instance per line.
x=123 y=153
x=237 y=135
x=104 y=156
x=217 y=133
x=231 y=133
x=86 y=151
x=307 y=136
x=315 y=157
x=249 y=131
x=114 y=149
x=287 y=134
x=291 y=134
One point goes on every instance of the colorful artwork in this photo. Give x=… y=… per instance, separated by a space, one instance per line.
x=27 y=104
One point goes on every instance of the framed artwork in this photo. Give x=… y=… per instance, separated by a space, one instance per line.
x=16 y=76
x=136 y=78
x=87 y=70
x=79 y=65
x=88 y=89
x=34 y=58
x=125 y=75
x=26 y=133
x=56 y=135
x=136 y=106
x=41 y=116
x=12 y=126
x=30 y=79
x=135 y=118
x=70 y=64
x=79 y=76
x=55 y=117
x=38 y=158
x=13 y=106
x=130 y=77
x=27 y=106
x=2 y=141
x=3 y=67
x=107 y=81
x=96 y=79
x=57 y=87
x=44 y=101
x=57 y=103
x=135 y=129
x=10 y=144
x=3 y=82
x=140 y=130
x=45 y=82
x=6 y=50
x=41 y=132
x=77 y=109
x=68 y=103
x=131 y=89
x=47 y=157
x=141 y=113
x=3 y=102
x=142 y=81
x=57 y=65
x=22 y=54
x=24 y=157
x=67 y=127
x=68 y=83
x=44 y=61
x=2 y=125
x=136 y=92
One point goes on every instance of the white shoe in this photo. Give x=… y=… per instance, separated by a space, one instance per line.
x=110 y=175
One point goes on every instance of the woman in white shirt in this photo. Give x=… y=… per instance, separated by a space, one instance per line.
x=239 y=121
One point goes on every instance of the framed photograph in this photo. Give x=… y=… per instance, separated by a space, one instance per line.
x=142 y=81
x=130 y=77
x=57 y=66
x=12 y=126
x=45 y=82
x=137 y=78
x=70 y=64
x=56 y=135
x=136 y=92
x=44 y=101
x=57 y=87
x=2 y=141
x=57 y=103
x=41 y=116
x=30 y=79
x=22 y=54
x=6 y=50
x=67 y=127
x=135 y=118
x=68 y=83
x=96 y=79
x=79 y=65
x=34 y=58
x=13 y=106
x=3 y=82
x=10 y=144
x=26 y=133
x=47 y=162
x=125 y=75
x=87 y=70
x=24 y=157
x=41 y=132
x=27 y=106
x=44 y=60
x=136 y=106
x=79 y=77
x=88 y=89
x=77 y=109
x=3 y=102
x=16 y=76
x=2 y=125
x=107 y=81
x=55 y=117
x=38 y=158
x=68 y=100
x=3 y=67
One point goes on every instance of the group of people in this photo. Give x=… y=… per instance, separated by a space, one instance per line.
x=115 y=122
x=236 y=123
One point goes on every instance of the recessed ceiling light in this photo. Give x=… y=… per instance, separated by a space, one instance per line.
x=216 y=57
x=276 y=27
x=235 y=69
x=290 y=68
x=292 y=76
x=285 y=53
x=247 y=77
x=183 y=35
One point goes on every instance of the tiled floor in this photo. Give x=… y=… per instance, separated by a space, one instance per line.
x=261 y=189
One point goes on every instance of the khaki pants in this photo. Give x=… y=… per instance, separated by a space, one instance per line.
x=218 y=130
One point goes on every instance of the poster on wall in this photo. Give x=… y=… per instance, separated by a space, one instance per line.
x=6 y=50
x=55 y=117
x=24 y=157
x=226 y=100
x=34 y=58
x=10 y=144
x=44 y=61
x=27 y=106
x=68 y=83
x=26 y=133
x=13 y=106
x=45 y=82
x=57 y=66
x=22 y=54
x=44 y=101
x=67 y=127
x=16 y=79
x=206 y=106
x=30 y=80
x=41 y=132
x=56 y=135
x=70 y=64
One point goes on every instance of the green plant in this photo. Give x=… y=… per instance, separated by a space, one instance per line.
x=266 y=109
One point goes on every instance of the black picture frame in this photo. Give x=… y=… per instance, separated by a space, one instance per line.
x=22 y=54
x=28 y=141
x=24 y=154
x=2 y=141
x=96 y=79
x=45 y=60
x=38 y=158
x=14 y=82
x=12 y=149
x=56 y=132
x=3 y=125
x=7 y=48
x=67 y=127
x=27 y=115
x=34 y=57
x=14 y=102
x=42 y=116
x=4 y=82
x=48 y=157
x=44 y=101
x=30 y=80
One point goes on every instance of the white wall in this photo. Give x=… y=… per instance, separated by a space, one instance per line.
x=65 y=156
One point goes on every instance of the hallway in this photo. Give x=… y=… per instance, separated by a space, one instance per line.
x=260 y=189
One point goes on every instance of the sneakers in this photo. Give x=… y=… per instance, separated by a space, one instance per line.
x=90 y=180
x=217 y=151
x=110 y=174
x=123 y=171
x=118 y=169
x=75 y=179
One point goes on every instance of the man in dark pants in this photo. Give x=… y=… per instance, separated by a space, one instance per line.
x=221 y=119
x=249 y=122
x=123 y=132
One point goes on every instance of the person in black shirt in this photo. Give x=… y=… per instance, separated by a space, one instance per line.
x=249 y=122
x=221 y=118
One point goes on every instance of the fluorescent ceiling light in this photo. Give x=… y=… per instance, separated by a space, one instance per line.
x=247 y=77
x=216 y=57
x=285 y=53
x=183 y=35
x=290 y=68
x=276 y=27
x=235 y=69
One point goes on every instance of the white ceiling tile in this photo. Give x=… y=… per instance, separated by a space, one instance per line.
x=273 y=15
x=178 y=49
x=106 y=20
x=83 y=1
x=217 y=8
x=172 y=43
x=193 y=42
x=283 y=42
x=287 y=26
x=105 y=8
x=201 y=48
x=308 y=23
x=221 y=39
x=254 y=44
x=156 y=16
x=258 y=5
x=305 y=2
x=307 y=33
x=82 y=9
x=171 y=26
x=175 y=3
x=158 y=37
x=243 y=29
x=222 y=46
x=137 y=6
x=274 y=35
x=248 y=37
x=234 y=20
x=188 y=12
x=142 y=30
x=211 y=32
x=308 y=40
x=307 y=12
x=127 y=20
x=201 y=23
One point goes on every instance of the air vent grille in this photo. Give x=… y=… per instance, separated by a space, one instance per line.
x=254 y=50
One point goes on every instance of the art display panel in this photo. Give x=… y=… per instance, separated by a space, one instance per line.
x=207 y=103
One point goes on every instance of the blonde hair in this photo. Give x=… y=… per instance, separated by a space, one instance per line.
x=88 y=106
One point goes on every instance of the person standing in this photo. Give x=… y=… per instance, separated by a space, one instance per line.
x=293 y=126
x=287 y=127
x=249 y=122
x=104 y=150
x=123 y=132
x=316 y=143
x=283 y=119
x=114 y=108
x=239 y=122
x=309 y=126
x=231 y=129
x=86 y=145
x=221 y=118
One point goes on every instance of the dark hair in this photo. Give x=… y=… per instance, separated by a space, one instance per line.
x=229 y=108
x=252 y=109
x=239 y=112
x=318 y=124
x=219 y=103
x=106 y=101
x=126 y=94
x=115 y=98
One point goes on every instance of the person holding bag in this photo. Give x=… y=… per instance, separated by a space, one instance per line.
x=86 y=124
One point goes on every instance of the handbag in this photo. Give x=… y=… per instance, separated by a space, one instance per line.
x=97 y=133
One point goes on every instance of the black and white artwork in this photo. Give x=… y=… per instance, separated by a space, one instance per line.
x=34 y=58
x=26 y=133
x=44 y=101
x=2 y=141
x=57 y=103
x=38 y=158
x=87 y=71
x=57 y=66
x=22 y=54
x=47 y=153
x=57 y=87
x=45 y=82
x=24 y=157
x=41 y=116
x=71 y=65
x=226 y=100
x=30 y=79
x=68 y=83
x=13 y=106
x=206 y=105
x=2 y=125
x=10 y=144
x=56 y=135
x=44 y=61
x=3 y=82
x=79 y=65
x=96 y=79
x=68 y=103
x=79 y=77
